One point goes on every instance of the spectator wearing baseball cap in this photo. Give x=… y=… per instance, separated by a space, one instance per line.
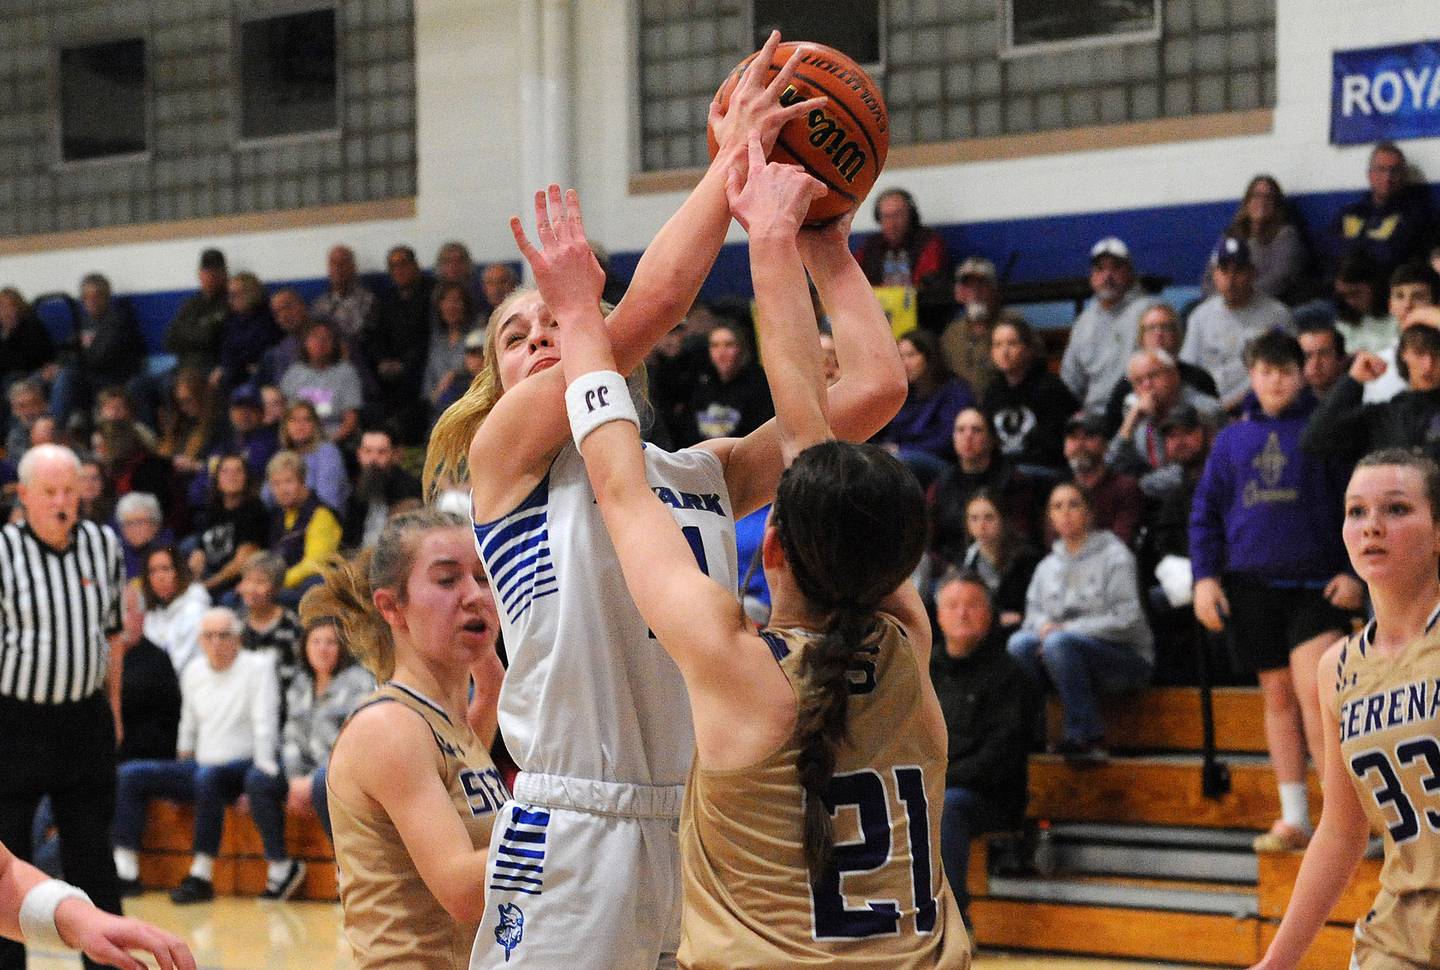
x=965 y=342
x=1103 y=334
x=1220 y=327
x=1114 y=496
x=247 y=435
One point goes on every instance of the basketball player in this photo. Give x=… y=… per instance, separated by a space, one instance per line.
x=593 y=710
x=41 y=912
x=413 y=793
x=1381 y=693
x=821 y=745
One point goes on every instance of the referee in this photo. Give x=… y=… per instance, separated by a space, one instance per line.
x=60 y=589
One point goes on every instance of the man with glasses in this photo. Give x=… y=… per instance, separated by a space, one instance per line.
x=1392 y=223
x=1139 y=446
x=1160 y=329
x=229 y=716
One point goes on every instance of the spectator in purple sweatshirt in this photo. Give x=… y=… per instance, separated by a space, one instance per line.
x=1269 y=566
x=919 y=434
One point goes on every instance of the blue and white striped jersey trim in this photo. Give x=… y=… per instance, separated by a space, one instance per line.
x=516 y=552
x=519 y=863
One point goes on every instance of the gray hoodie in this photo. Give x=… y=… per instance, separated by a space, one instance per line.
x=1093 y=593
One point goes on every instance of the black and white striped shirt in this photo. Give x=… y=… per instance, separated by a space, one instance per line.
x=56 y=610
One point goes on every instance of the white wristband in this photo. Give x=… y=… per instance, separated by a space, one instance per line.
x=37 y=912
x=597 y=398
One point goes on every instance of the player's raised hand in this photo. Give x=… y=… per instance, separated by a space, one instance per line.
x=566 y=270
x=771 y=198
x=755 y=105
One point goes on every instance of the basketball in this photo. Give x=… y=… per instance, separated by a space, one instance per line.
x=843 y=143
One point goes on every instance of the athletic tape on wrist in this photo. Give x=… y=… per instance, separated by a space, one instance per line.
x=597 y=398
x=37 y=912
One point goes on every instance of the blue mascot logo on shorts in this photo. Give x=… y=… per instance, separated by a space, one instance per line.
x=511 y=929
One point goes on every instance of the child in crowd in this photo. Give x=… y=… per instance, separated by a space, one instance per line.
x=1269 y=566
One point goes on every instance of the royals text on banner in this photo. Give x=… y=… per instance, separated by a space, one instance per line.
x=1382 y=93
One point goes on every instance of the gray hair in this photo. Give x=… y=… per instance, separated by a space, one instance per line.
x=137 y=502
x=237 y=626
x=268 y=563
x=28 y=385
x=40 y=453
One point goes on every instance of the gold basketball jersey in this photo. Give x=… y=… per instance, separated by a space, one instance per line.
x=391 y=918
x=749 y=898
x=1389 y=715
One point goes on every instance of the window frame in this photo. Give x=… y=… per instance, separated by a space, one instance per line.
x=81 y=39
x=250 y=11
x=1010 y=51
x=875 y=69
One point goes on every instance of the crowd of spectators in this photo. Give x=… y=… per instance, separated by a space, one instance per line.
x=1077 y=504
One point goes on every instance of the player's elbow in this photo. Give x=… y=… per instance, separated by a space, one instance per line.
x=887 y=393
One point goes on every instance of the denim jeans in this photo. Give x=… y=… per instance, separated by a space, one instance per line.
x=210 y=787
x=967 y=814
x=267 y=795
x=1081 y=668
x=320 y=799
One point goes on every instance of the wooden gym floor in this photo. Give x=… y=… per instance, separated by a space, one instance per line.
x=244 y=934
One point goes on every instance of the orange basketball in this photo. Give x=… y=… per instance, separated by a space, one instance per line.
x=843 y=143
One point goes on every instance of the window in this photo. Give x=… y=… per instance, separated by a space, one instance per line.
x=288 y=75
x=849 y=26
x=102 y=100
x=1036 y=26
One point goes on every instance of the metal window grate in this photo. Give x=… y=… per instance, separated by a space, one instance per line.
x=195 y=163
x=945 y=77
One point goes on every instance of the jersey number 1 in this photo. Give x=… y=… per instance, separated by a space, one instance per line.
x=865 y=790
x=697 y=546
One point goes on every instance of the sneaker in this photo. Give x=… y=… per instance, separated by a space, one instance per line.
x=1282 y=837
x=192 y=889
x=283 y=889
x=130 y=888
x=1082 y=752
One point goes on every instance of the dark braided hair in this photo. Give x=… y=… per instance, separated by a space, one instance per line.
x=851 y=521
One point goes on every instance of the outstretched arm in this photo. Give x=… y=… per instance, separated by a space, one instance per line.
x=771 y=205
x=78 y=924
x=872 y=384
x=528 y=425
x=679 y=602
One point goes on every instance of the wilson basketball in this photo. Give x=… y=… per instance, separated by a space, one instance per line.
x=844 y=142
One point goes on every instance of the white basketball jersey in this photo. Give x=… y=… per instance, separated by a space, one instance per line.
x=589 y=692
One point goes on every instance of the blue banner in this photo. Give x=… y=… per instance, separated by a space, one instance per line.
x=1385 y=93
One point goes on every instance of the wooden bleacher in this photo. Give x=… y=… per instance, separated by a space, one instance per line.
x=240 y=866
x=1151 y=786
x=1151 y=782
